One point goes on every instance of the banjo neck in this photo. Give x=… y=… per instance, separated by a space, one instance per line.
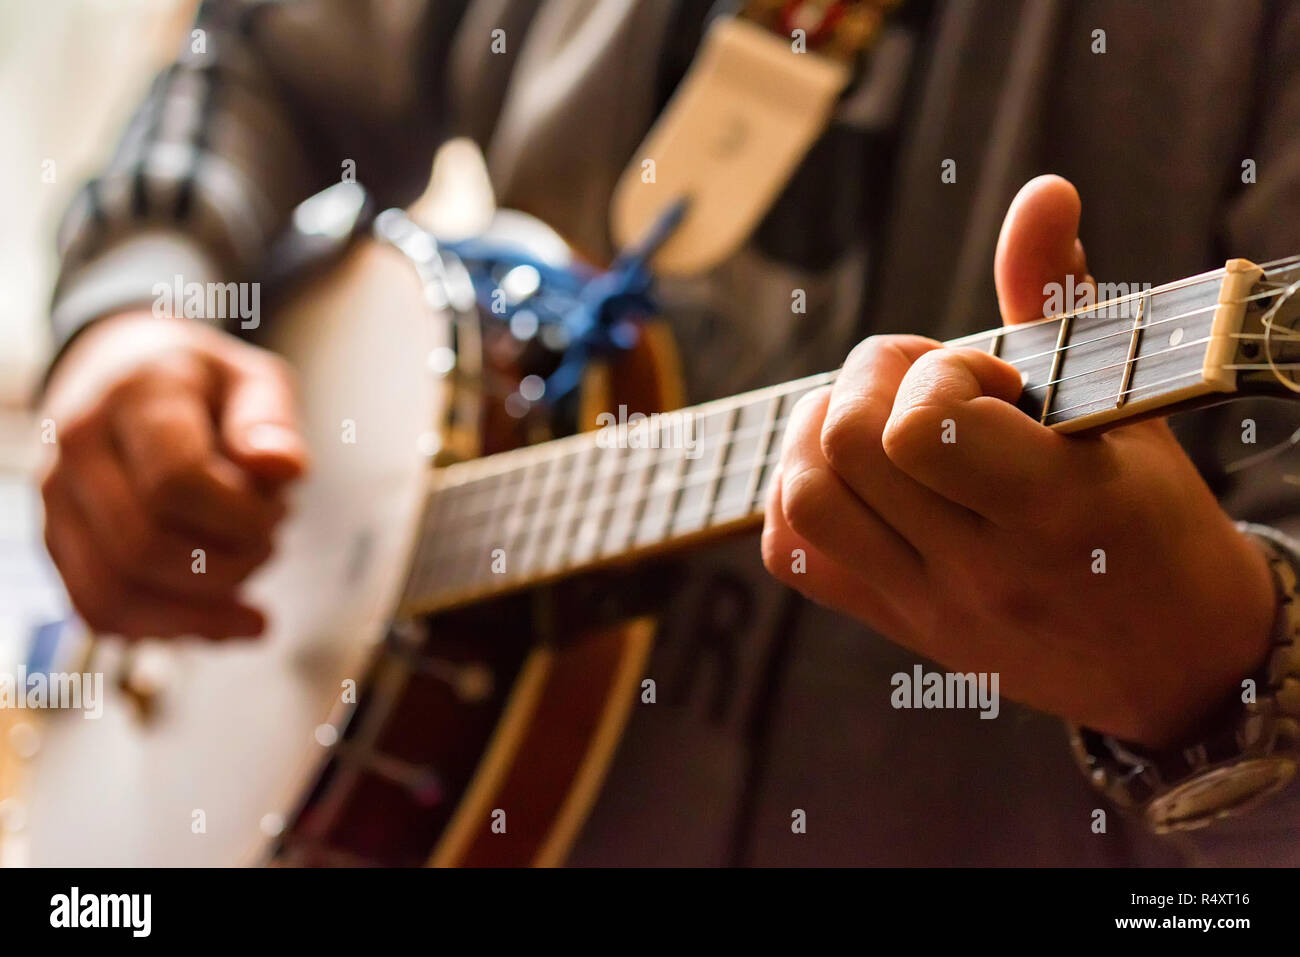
x=640 y=485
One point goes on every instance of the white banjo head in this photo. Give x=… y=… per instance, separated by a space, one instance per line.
x=238 y=729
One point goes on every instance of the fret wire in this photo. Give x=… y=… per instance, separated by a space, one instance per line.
x=426 y=554
x=555 y=514
x=1132 y=354
x=1109 y=335
x=775 y=396
x=461 y=548
x=1014 y=362
x=728 y=444
x=1056 y=365
x=612 y=478
x=752 y=509
x=574 y=445
x=433 y=564
x=561 y=543
x=459 y=573
x=779 y=392
x=1084 y=314
x=766 y=434
x=558 y=447
x=703 y=511
x=1149 y=385
x=605 y=467
x=506 y=482
x=772 y=457
x=675 y=494
x=638 y=497
x=561 y=447
x=463 y=473
x=572 y=537
x=1115 y=365
x=1212 y=275
x=667 y=477
x=471 y=518
x=769 y=459
x=466 y=517
x=517 y=519
x=697 y=466
x=629 y=500
x=642 y=497
x=526 y=560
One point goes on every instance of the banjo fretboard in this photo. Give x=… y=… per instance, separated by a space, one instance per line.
x=638 y=486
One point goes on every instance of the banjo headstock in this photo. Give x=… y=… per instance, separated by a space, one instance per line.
x=1267 y=357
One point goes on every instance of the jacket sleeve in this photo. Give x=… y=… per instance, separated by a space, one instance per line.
x=266 y=104
x=1259 y=223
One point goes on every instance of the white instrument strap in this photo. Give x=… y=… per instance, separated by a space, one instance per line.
x=745 y=115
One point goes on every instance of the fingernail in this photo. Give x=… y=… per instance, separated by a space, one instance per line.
x=269 y=437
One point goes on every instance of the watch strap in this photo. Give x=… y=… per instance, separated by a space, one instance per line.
x=1251 y=753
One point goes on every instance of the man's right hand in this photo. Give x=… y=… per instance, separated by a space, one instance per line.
x=172 y=437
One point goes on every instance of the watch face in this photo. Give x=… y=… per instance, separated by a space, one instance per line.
x=1218 y=793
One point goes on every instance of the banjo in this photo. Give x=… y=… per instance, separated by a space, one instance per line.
x=460 y=613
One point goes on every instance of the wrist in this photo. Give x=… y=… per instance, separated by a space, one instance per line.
x=107 y=349
x=1247 y=752
x=1207 y=684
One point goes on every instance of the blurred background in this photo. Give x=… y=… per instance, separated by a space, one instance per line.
x=70 y=73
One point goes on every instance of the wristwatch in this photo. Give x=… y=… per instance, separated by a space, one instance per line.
x=1252 y=755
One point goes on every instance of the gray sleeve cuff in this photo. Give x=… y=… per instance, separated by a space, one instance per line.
x=125 y=275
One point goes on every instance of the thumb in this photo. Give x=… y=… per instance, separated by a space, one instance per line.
x=1039 y=244
x=259 y=421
